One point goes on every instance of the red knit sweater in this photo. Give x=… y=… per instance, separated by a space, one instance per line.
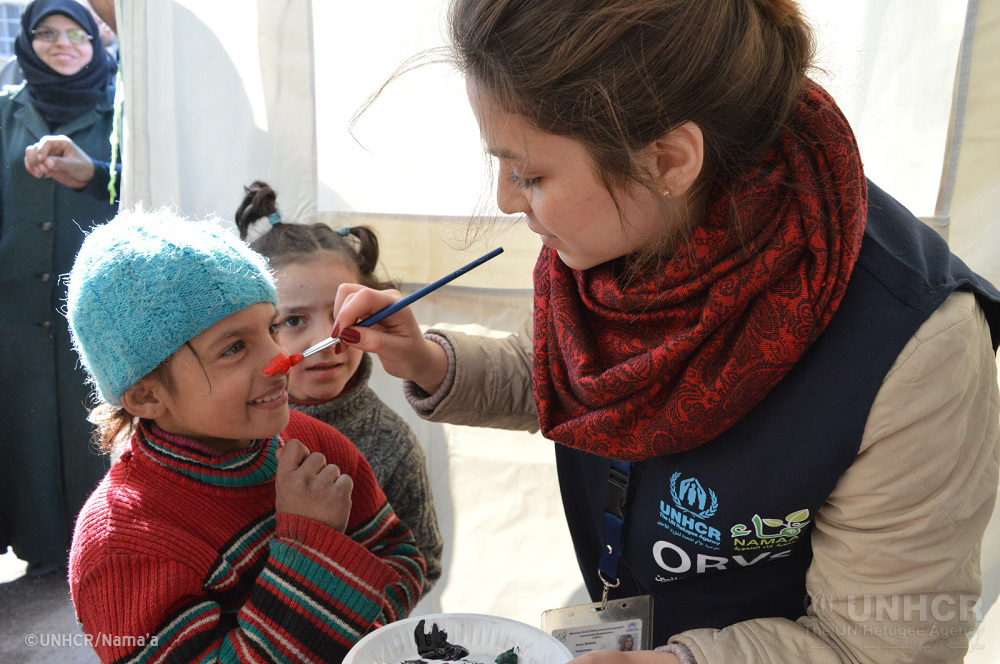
x=179 y=556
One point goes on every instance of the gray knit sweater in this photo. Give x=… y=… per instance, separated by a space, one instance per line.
x=390 y=447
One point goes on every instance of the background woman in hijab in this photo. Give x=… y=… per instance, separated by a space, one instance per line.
x=48 y=467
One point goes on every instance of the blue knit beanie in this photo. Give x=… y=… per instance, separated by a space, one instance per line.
x=145 y=283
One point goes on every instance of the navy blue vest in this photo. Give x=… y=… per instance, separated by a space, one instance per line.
x=720 y=534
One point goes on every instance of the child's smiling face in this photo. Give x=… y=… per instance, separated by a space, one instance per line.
x=307 y=290
x=221 y=396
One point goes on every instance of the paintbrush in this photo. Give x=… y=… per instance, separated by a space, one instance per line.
x=282 y=363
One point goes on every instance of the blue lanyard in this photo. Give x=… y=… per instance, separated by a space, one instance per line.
x=613 y=537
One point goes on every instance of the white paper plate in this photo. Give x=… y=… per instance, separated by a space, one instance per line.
x=483 y=636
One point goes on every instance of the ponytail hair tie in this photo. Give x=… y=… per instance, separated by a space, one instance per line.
x=344 y=231
x=261 y=226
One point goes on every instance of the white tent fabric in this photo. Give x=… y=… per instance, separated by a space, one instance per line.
x=975 y=228
x=221 y=93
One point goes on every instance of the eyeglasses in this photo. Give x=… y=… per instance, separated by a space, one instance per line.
x=76 y=37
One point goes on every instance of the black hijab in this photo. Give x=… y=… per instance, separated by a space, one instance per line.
x=61 y=98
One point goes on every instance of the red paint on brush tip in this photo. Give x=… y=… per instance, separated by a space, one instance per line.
x=279 y=364
x=295 y=358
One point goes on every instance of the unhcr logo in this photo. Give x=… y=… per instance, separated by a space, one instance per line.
x=692 y=505
x=692 y=497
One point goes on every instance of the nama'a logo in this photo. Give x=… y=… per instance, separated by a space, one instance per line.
x=690 y=496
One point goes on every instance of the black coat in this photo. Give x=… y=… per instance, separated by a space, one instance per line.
x=48 y=465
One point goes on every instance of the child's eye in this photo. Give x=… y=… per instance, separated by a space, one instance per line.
x=523 y=183
x=293 y=322
x=273 y=329
x=234 y=348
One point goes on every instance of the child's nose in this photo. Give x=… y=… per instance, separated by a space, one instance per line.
x=271 y=347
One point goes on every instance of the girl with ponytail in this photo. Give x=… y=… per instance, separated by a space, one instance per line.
x=310 y=261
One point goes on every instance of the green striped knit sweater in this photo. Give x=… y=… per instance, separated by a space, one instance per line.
x=178 y=556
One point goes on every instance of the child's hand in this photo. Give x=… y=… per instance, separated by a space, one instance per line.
x=306 y=485
x=397 y=340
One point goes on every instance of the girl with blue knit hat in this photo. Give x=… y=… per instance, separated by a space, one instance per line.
x=210 y=536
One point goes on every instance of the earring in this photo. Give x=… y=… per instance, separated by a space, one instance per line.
x=665 y=192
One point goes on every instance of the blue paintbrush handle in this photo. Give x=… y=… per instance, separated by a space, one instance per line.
x=406 y=301
x=413 y=297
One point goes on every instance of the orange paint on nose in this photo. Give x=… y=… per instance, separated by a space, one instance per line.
x=282 y=363
x=279 y=364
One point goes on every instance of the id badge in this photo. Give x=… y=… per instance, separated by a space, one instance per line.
x=623 y=624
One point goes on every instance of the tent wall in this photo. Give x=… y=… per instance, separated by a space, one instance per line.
x=219 y=94
x=974 y=232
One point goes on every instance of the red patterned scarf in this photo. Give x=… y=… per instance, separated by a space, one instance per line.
x=669 y=362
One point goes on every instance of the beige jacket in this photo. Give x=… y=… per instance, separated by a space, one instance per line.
x=895 y=574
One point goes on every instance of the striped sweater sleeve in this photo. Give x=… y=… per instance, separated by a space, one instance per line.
x=317 y=594
x=373 y=523
x=388 y=538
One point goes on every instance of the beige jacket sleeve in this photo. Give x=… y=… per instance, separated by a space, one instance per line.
x=488 y=382
x=895 y=574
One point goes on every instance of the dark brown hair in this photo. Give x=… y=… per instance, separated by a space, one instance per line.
x=113 y=425
x=616 y=75
x=286 y=243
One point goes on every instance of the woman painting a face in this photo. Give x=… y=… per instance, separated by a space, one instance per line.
x=709 y=241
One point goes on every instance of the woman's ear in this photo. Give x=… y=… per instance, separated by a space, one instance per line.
x=679 y=155
x=144 y=399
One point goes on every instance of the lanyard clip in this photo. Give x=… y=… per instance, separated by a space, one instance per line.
x=608 y=585
x=613 y=534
